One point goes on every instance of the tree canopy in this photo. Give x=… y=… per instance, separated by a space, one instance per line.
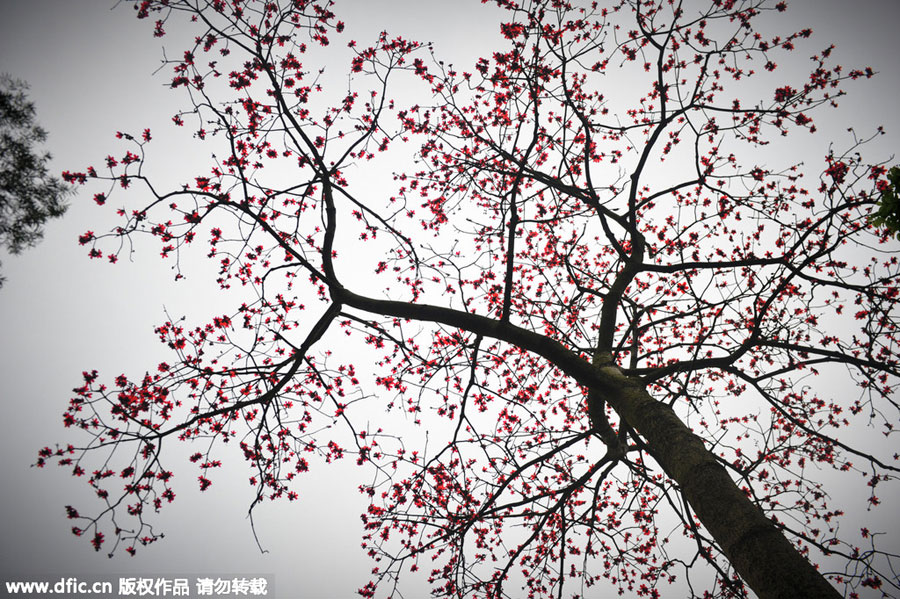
x=574 y=312
x=29 y=194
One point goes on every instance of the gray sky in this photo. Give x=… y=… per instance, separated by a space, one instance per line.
x=90 y=70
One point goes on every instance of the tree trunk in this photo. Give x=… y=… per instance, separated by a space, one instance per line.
x=756 y=548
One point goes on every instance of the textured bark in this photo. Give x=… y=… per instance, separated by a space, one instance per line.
x=754 y=545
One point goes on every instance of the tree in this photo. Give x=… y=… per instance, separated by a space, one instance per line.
x=608 y=304
x=29 y=195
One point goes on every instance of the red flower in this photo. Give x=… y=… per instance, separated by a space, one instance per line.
x=70 y=177
x=783 y=94
x=512 y=30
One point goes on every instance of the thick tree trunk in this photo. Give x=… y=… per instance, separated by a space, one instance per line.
x=757 y=549
x=759 y=552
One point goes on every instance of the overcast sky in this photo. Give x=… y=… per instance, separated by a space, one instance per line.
x=90 y=71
